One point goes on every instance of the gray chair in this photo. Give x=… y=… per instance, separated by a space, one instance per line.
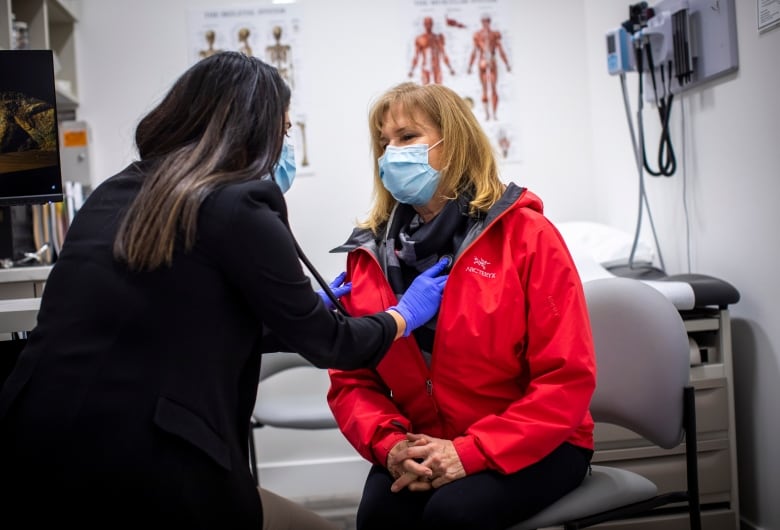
x=643 y=367
x=306 y=408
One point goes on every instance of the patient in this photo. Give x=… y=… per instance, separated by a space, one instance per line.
x=478 y=419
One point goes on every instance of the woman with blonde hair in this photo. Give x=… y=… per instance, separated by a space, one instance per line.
x=480 y=417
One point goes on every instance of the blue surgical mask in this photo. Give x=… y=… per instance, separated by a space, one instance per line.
x=284 y=171
x=407 y=175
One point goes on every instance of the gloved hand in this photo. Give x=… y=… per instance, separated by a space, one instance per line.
x=338 y=289
x=421 y=300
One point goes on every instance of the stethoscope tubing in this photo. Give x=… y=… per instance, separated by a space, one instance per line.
x=322 y=283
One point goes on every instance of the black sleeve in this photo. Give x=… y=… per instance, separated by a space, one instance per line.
x=256 y=249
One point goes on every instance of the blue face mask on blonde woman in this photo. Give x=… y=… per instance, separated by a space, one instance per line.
x=407 y=174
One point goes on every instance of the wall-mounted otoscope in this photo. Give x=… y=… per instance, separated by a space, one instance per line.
x=689 y=41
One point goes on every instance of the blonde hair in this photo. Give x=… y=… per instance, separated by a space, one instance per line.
x=468 y=158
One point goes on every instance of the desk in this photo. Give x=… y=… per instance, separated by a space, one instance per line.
x=20 y=314
x=20 y=292
x=23 y=282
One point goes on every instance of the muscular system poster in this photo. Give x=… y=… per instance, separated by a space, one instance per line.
x=467 y=46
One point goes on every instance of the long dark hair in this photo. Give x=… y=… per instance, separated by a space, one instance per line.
x=222 y=121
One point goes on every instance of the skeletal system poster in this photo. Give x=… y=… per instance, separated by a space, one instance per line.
x=269 y=32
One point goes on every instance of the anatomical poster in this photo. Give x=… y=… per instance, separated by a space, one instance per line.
x=271 y=33
x=467 y=46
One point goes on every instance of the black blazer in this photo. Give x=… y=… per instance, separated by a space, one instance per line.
x=135 y=390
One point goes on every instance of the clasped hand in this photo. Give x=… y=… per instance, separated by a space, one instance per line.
x=423 y=462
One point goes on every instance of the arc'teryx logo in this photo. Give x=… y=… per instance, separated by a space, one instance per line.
x=481 y=262
x=482 y=270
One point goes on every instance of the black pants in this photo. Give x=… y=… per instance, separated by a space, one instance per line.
x=484 y=501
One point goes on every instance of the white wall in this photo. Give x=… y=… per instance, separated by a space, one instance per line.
x=576 y=156
x=131 y=51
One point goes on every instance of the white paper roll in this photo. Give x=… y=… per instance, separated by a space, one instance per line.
x=695 y=352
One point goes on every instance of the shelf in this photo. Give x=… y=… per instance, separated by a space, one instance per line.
x=702 y=324
x=66 y=100
x=707 y=372
x=50 y=25
x=37 y=273
x=59 y=13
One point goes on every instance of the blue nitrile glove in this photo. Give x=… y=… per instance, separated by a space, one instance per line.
x=421 y=300
x=338 y=289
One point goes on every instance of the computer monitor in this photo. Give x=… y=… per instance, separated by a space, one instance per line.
x=29 y=138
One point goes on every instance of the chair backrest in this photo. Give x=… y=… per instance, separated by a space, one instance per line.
x=642 y=359
x=275 y=362
x=292 y=393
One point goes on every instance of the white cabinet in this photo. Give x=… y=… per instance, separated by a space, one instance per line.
x=50 y=24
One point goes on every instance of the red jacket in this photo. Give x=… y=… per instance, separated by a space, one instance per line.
x=513 y=367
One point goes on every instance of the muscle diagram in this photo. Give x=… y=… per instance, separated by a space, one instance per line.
x=429 y=53
x=487 y=45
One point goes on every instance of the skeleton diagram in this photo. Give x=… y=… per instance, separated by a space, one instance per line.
x=280 y=56
x=243 y=38
x=210 y=50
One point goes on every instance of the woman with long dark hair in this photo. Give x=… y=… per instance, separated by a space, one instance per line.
x=131 y=402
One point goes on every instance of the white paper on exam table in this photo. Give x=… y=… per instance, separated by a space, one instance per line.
x=679 y=293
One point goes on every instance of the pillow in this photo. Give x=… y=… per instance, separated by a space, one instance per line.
x=605 y=244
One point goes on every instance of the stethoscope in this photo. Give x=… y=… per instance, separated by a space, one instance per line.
x=320 y=280
x=326 y=288
x=317 y=276
x=324 y=285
